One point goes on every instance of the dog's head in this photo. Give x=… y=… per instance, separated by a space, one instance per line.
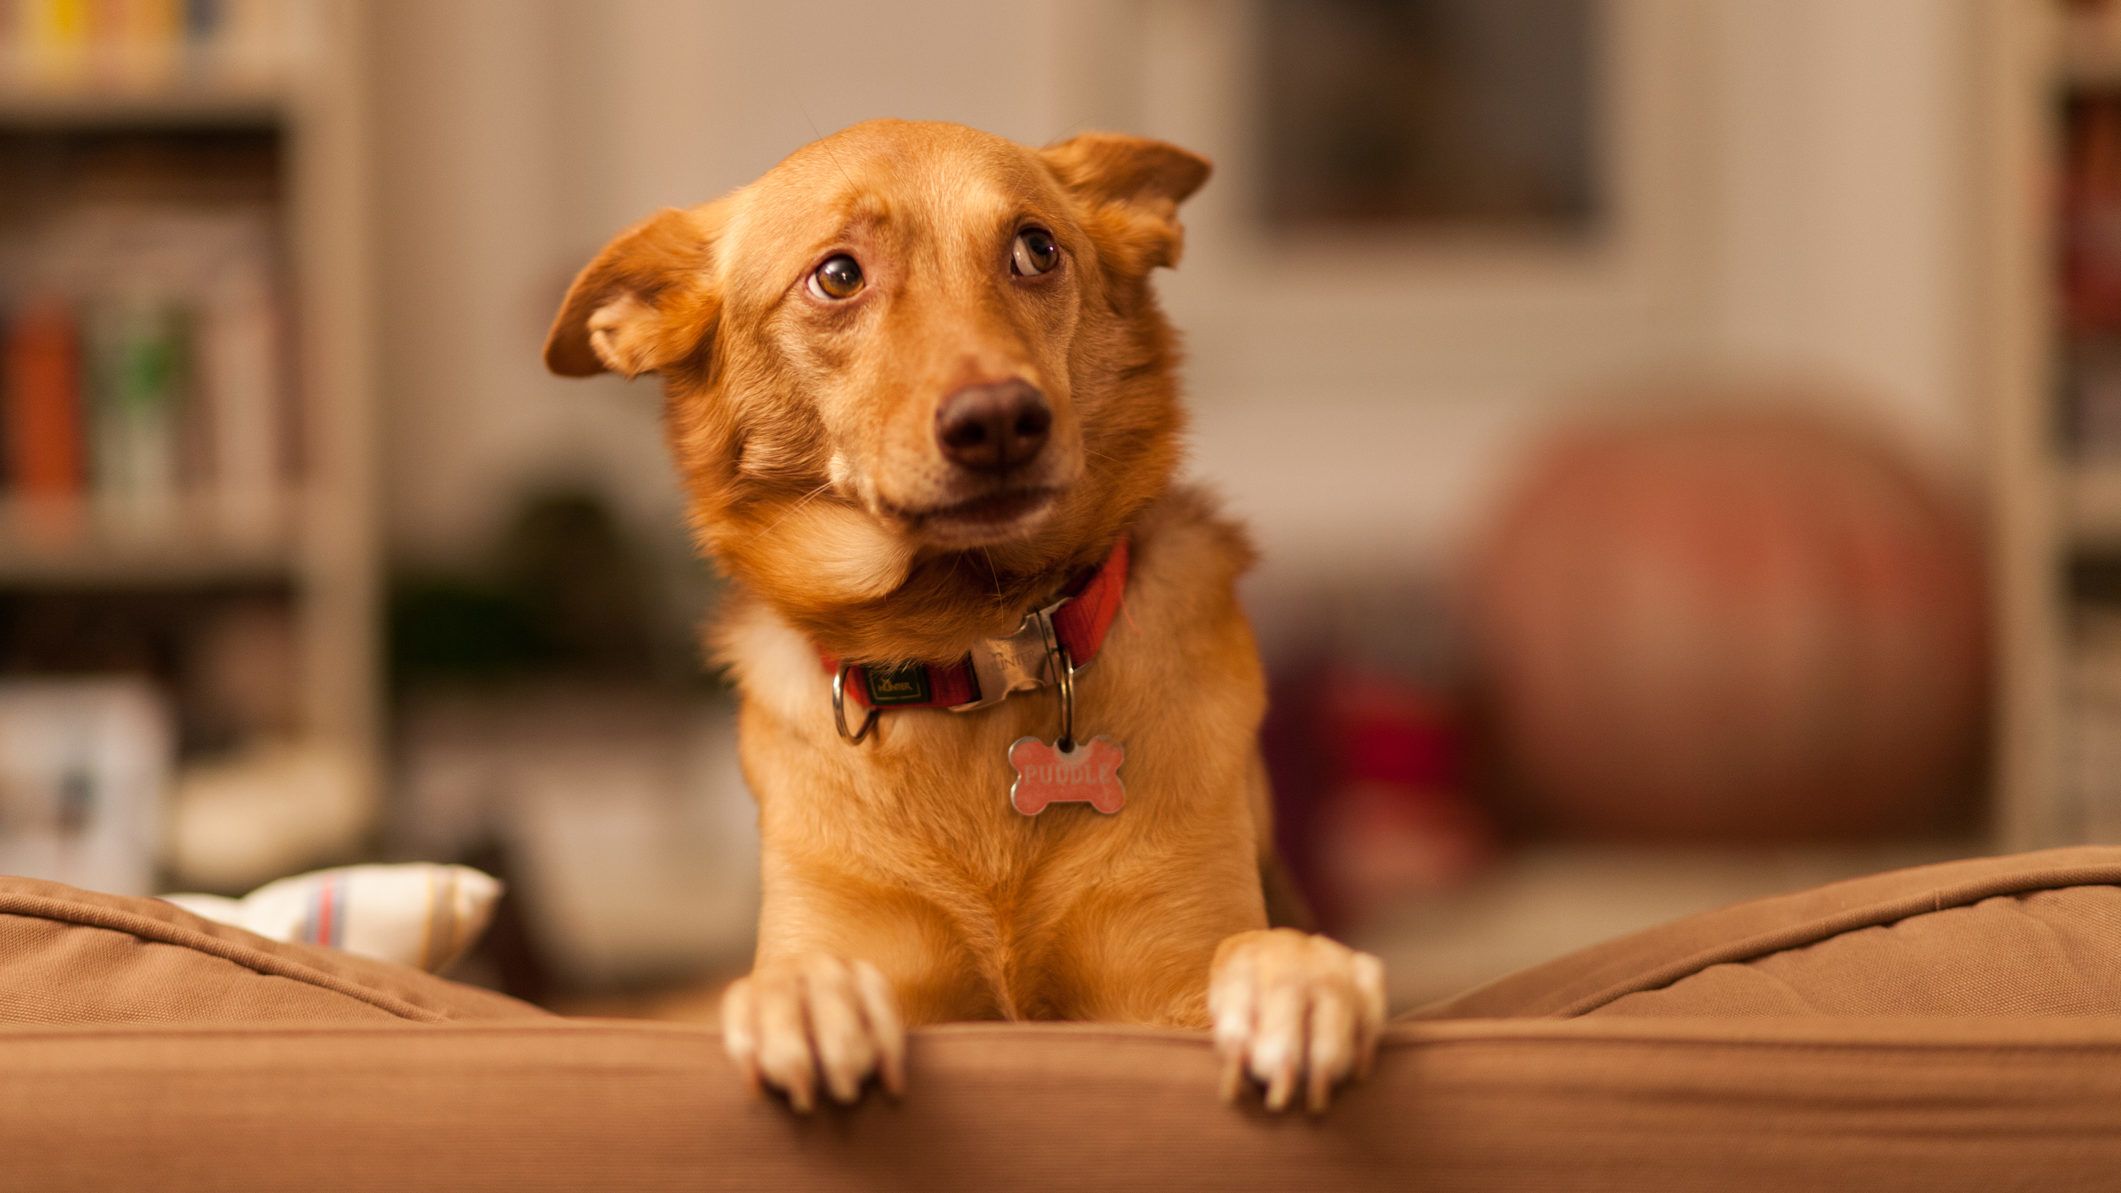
x=910 y=354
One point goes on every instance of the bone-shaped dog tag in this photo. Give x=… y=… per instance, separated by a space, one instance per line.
x=1085 y=773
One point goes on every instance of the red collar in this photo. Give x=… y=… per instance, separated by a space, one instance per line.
x=996 y=667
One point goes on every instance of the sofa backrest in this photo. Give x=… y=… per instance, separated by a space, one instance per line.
x=2036 y=934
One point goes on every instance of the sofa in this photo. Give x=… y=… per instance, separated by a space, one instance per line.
x=1955 y=1026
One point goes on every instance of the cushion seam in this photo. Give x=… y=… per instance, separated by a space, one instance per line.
x=147 y=928
x=1881 y=914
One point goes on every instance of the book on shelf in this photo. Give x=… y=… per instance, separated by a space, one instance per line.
x=136 y=404
x=74 y=46
x=2088 y=268
x=41 y=418
x=241 y=368
x=145 y=374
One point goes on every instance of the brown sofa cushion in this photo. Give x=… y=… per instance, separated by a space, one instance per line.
x=69 y=956
x=2034 y=934
x=1628 y=1105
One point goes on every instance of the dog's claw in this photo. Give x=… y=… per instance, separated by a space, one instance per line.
x=880 y=1011
x=1233 y=1081
x=1296 y=1012
x=815 y=1023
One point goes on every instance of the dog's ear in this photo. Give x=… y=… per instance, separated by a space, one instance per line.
x=645 y=303
x=1137 y=185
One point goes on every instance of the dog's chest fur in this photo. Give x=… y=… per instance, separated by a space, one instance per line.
x=920 y=814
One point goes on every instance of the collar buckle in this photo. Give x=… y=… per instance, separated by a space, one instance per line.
x=1025 y=661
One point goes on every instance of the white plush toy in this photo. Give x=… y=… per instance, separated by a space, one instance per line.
x=416 y=914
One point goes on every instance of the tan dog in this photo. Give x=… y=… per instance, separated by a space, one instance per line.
x=919 y=388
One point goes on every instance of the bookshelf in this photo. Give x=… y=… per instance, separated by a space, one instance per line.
x=2051 y=91
x=246 y=118
x=37 y=546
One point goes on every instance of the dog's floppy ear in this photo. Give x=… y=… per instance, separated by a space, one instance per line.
x=645 y=303
x=1138 y=183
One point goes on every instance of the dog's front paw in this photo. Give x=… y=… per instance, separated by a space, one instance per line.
x=797 y=1023
x=1290 y=1007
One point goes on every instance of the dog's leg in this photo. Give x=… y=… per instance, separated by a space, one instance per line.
x=815 y=1016
x=1292 y=1009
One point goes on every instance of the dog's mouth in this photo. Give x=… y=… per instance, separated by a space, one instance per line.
x=988 y=518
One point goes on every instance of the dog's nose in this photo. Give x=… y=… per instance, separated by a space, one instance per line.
x=993 y=427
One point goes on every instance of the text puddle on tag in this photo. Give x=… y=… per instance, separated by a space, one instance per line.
x=1086 y=774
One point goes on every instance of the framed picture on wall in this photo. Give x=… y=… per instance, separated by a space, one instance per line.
x=1429 y=117
x=1414 y=192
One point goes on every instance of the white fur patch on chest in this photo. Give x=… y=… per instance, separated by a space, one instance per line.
x=779 y=669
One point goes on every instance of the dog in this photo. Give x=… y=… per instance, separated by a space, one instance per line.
x=999 y=703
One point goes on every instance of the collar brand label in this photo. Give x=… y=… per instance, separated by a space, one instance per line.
x=904 y=685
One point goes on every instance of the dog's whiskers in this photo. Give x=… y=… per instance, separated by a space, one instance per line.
x=821 y=142
x=993 y=572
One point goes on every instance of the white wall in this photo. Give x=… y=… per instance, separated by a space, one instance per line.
x=1844 y=163
x=1804 y=182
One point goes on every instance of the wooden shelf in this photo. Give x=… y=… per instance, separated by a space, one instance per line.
x=45 y=546
x=181 y=106
x=2091 y=503
x=2090 y=63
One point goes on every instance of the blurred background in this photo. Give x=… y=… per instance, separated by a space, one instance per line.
x=1684 y=436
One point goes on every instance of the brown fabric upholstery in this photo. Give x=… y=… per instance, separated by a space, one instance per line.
x=2039 y=953
x=73 y=956
x=1771 y=1105
x=1690 y=1057
x=2034 y=934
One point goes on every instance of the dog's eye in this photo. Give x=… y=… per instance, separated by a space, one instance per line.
x=1034 y=252
x=839 y=277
